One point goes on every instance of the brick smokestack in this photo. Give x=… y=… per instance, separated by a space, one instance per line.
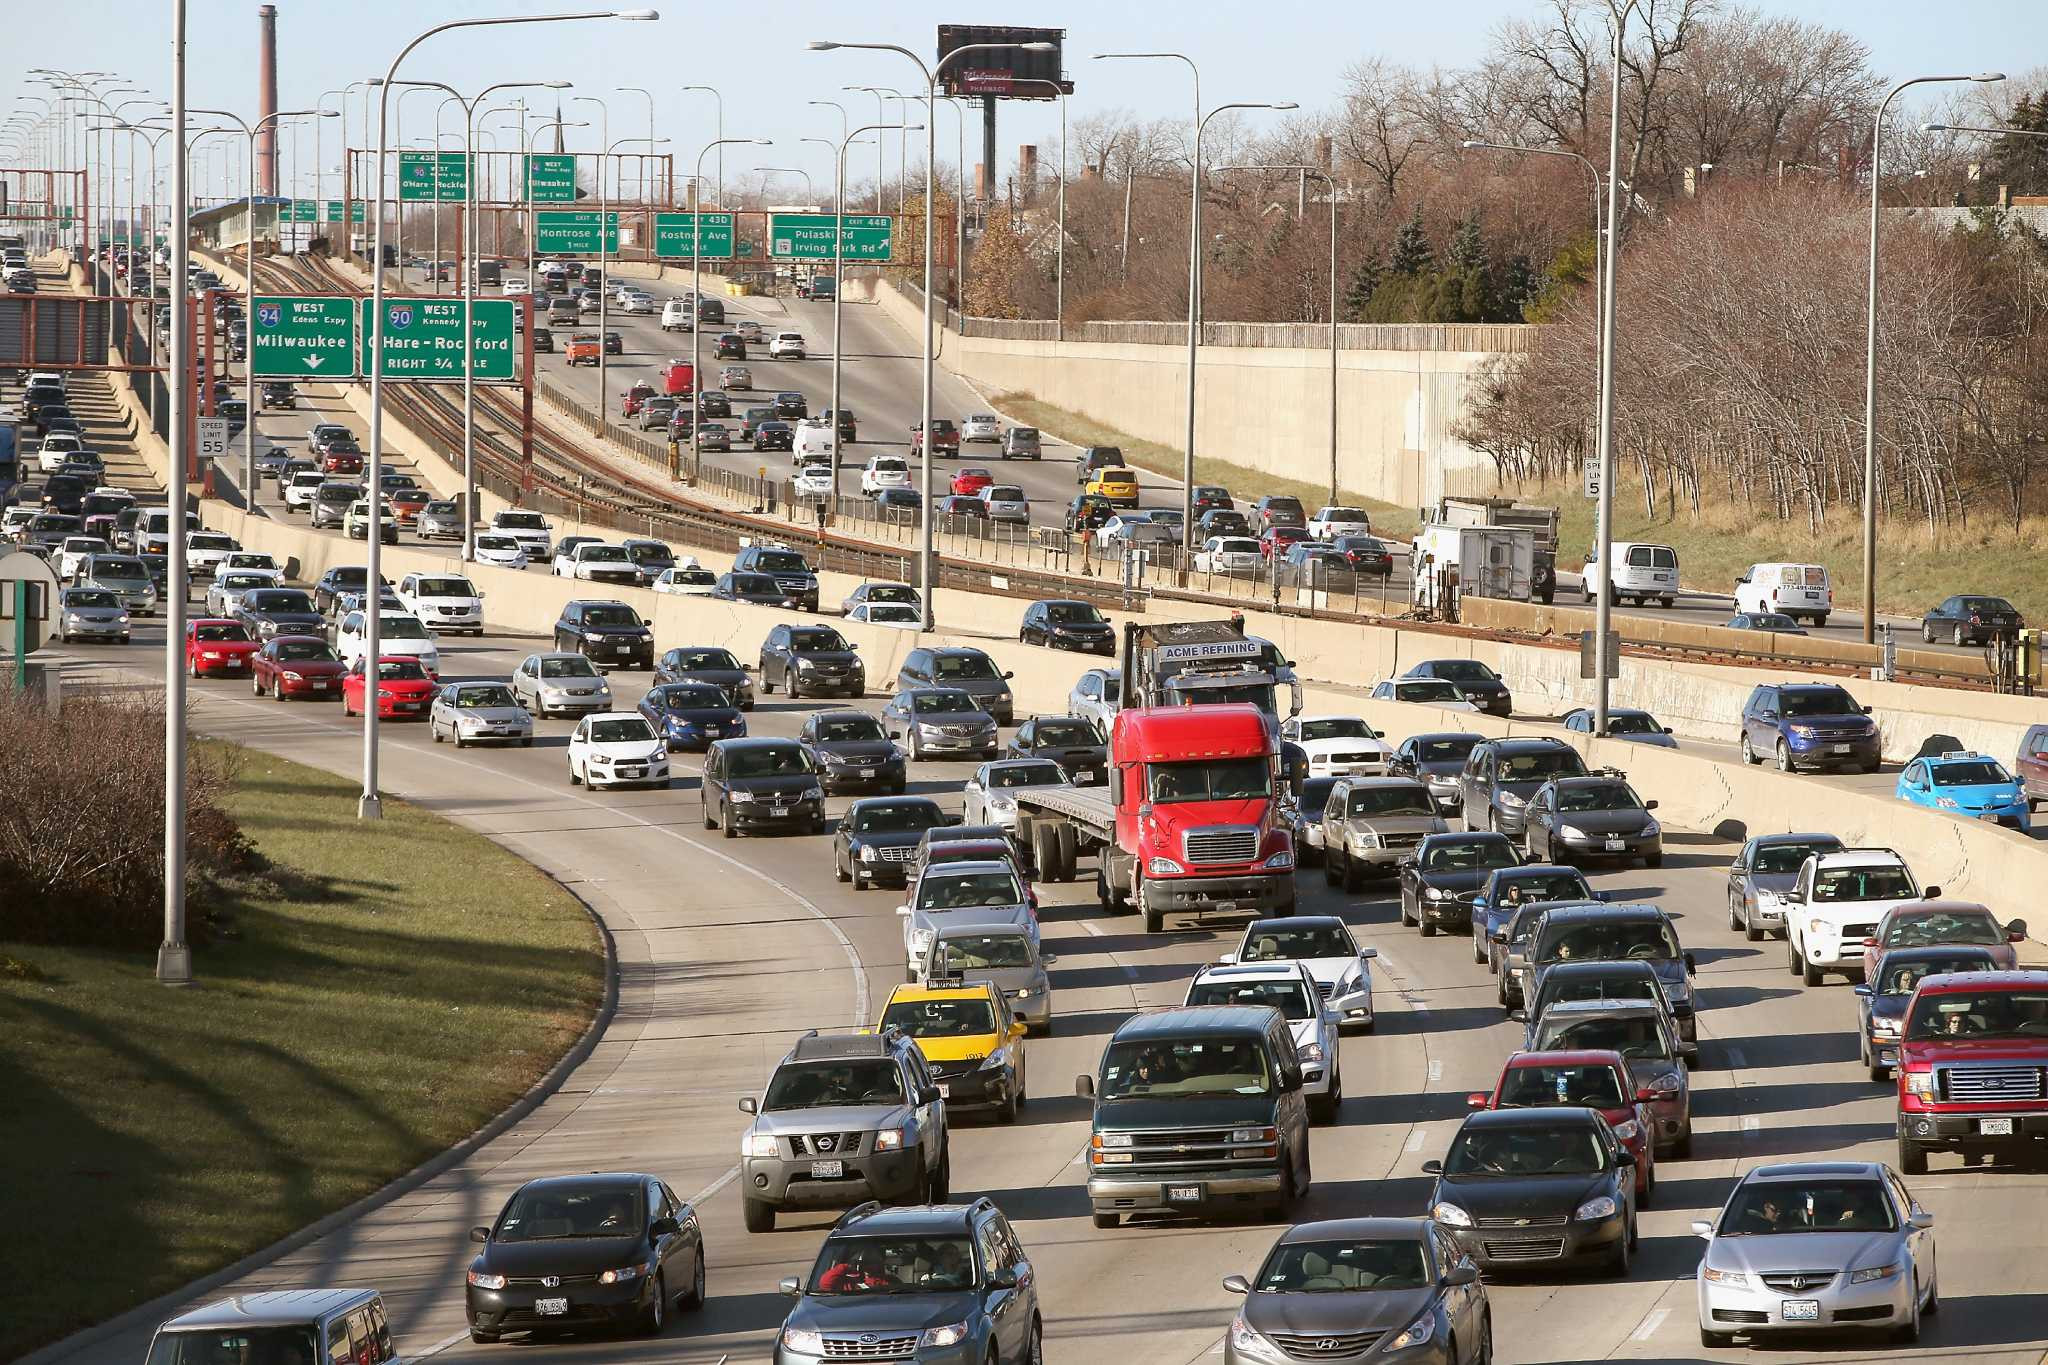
x=266 y=99
x=1027 y=172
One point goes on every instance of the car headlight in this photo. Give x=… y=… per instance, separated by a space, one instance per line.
x=1628 y=1130
x=1023 y=993
x=1415 y=1333
x=1249 y=1340
x=739 y=798
x=72 y=618
x=1434 y=893
x=1735 y=1278
x=294 y=677
x=1451 y=1216
x=1510 y=799
x=622 y=1275
x=602 y=758
x=759 y=1144
x=1364 y=838
x=889 y=1140
x=803 y=1340
x=1001 y=801
x=997 y=1060
x=1570 y=832
x=870 y=855
x=1666 y=1084
x=1874 y=1272
x=1164 y=867
x=1650 y=826
x=1601 y=1207
x=1884 y=1026
x=122 y=619
x=926 y=727
x=1281 y=861
x=1803 y=731
x=952 y=1334
x=1310 y=1052
x=483 y=1279
x=1920 y=1085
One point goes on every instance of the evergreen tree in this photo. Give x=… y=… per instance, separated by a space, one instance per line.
x=1468 y=246
x=1412 y=254
x=1516 y=287
x=1365 y=281
x=2021 y=163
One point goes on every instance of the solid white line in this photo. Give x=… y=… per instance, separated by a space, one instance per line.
x=1415 y=1140
x=1089 y=925
x=1751 y=1123
x=1650 y=1324
x=1436 y=1072
x=439 y=1346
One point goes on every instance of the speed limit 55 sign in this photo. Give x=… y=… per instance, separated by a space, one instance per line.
x=213 y=438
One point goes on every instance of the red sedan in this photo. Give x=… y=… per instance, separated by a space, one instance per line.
x=404 y=691
x=1598 y=1079
x=342 y=462
x=971 y=481
x=297 y=666
x=1274 y=540
x=216 y=647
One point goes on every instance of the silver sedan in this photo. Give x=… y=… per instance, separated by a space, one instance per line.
x=477 y=713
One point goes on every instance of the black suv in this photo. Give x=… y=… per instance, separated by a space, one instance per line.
x=277 y=393
x=607 y=633
x=753 y=784
x=811 y=660
x=732 y=346
x=791 y=406
x=1064 y=623
x=338 y=580
x=1502 y=774
x=789 y=570
x=1069 y=741
x=853 y=751
x=936 y=1283
x=774 y=436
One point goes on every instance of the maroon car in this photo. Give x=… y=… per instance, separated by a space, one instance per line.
x=945 y=438
x=297 y=666
x=1274 y=540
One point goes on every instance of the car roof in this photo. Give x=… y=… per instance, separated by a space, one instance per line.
x=2016 y=980
x=1180 y=1020
x=1529 y=744
x=1563 y=1056
x=1860 y=857
x=1934 y=952
x=1289 y=969
x=1807 y=1170
x=1769 y=840
x=839 y=1047
x=1296 y=922
x=1582 y=914
x=1531 y=1116
x=1569 y=1007
x=755 y=741
x=921 y=1219
x=968 y=869
x=1623 y=966
x=1358 y=1229
x=965 y=990
x=1373 y=783
x=273 y=1308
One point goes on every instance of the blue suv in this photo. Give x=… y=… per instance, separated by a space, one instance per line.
x=941 y=1284
x=1809 y=725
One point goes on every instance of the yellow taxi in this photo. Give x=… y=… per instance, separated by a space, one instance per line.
x=1118 y=486
x=970 y=1040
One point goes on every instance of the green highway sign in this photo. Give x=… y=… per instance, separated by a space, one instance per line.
x=304 y=336
x=357 y=211
x=432 y=175
x=574 y=233
x=808 y=236
x=423 y=338
x=299 y=211
x=550 y=178
x=673 y=233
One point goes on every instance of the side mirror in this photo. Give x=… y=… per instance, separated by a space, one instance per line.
x=1432 y=1167
x=1478 y=1099
x=1645 y=1095
x=749 y=1105
x=928 y=1094
x=1236 y=1284
x=1291 y=1079
x=1701 y=1228
x=843 y=827
x=1667 y=729
x=664 y=1227
x=792 y=1287
x=479 y=1234
x=2016 y=932
x=903 y=912
x=1692 y=968
x=1863 y=989
x=1049 y=960
x=1922 y=1218
x=1767 y=715
x=1008 y=676
x=1931 y=893
x=1084 y=1086
x=1625 y=1159
x=1518 y=1016
x=1461 y=1274
x=1227 y=960
x=1652 y=803
x=1368 y=952
x=1864 y=710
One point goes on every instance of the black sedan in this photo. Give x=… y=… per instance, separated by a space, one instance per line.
x=853 y=752
x=792 y=406
x=700 y=663
x=877 y=838
x=1362 y=1280
x=1068 y=741
x=1480 y=684
x=1577 y=819
x=1366 y=555
x=1970 y=620
x=1220 y=521
x=1537 y=1188
x=279 y=611
x=774 y=436
x=610 y=1250
x=614 y=344
x=1063 y=623
x=1439 y=884
x=714 y=404
x=1212 y=497
x=755 y=784
x=692 y=715
x=757 y=588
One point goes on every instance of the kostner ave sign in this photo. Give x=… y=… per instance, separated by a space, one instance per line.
x=303 y=337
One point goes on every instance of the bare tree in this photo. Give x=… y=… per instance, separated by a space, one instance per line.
x=1377 y=130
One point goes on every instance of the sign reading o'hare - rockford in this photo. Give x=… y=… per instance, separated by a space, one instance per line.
x=808 y=236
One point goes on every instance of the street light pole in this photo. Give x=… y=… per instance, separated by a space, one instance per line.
x=718 y=132
x=646 y=198
x=839 y=273
x=697 y=291
x=174 y=954
x=1059 y=309
x=881 y=144
x=810 y=194
x=532 y=228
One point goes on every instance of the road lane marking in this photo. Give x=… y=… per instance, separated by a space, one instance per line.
x=1649 y=1325
x=1436 y=1071
x=1416 y=1139
x=1751 y=1123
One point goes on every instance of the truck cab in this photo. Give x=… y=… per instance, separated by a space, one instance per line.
x=1972 y=1057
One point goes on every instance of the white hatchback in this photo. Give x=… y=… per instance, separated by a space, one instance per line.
x=617 y=749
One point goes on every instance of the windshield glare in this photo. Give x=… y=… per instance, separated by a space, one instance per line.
x=960 y=953
x=1636 y=939
x=1309 y=941
x=555 y=1211
x=893 y=1265
x=1470 y=854
x=1493 y=1150
x=1185 y=1066
x=1291 y=998
x=1975 y=773
x=1347 y=727
x=1632 y=1035
x=1900 y=978
x=1767 y=1208
x=1987 y=1014
x=1027 y=775
x=1391 y=801
x=1943 y=926
x=1597 y=796
x=1863 y=884
x=810 y=1085
x=968 y=891
x=1785 y=859
x=1342 y=1267
x=776 y=760
x=1596 y=1087
x=306 y=651
x=957 y=1018
x=896 y=817
x=1223 y=779
x=1825 y=701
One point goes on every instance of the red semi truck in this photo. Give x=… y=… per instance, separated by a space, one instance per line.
x=1189 y=821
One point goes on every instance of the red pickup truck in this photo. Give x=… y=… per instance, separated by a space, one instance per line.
x=1973 y=1067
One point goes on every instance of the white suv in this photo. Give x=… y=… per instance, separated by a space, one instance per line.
x=1290 y=988
x=884 y=471
x=787 y=346
x=1836 y=904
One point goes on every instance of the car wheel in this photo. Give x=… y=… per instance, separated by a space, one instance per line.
x=456 y=736
x=655 y=1316
x=1478 y=945
x=694 y=1296
x=1908 y=1332
x=482 y=1338
x=1329 y=868
x=575 y=778
x=1422 y=923
x=757 y=1216
x=1912 y=1157
x=1933 y=1300
x=1354 y=876
x=1926 y=633
x=710 y=816
x=726 y=827
x=1792 y=963
x=1716 y=1339
x=1783 y=757
x=1034 y=1345
x=277 y=689
x=1654 y=859
x=1682 y=1149
x=1618 y=1261
x=433 y=732
x=1809 y=974
x=1751 y=930
x=940 y=1186
x=841 y=872
x=1957 y=637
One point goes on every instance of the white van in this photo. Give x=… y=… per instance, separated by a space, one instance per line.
x=813 y=442
x=675 y=316
x=154 y=537
x=1642 y=571
x=1794 y=589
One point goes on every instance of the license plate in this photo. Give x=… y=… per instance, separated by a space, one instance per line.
x=827 y=1170
x=551 y=1308
x=623 y=649
x=408 y=706
x=1615 y=843
x=867 y=772
x=1082 y=779
x=321 y=686
x=1184 y=1194
x=778 y=810
x=712 y=731
x=1995 y=1127
x=945 y=1091
x=1840 y=748
x=1799 y=1310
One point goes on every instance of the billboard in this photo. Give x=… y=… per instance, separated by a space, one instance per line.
x=1008 y=73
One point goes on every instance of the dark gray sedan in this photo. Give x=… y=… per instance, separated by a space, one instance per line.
x=1761 y=875
x=940 y=720
x=1577 y=819
x=1437 y=758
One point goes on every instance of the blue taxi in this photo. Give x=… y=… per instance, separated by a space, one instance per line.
x=1967 y=784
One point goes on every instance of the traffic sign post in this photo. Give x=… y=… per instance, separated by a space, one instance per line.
x=574 y=233
x=1592 y=472
x=310 y=336
x=423 y=338
x=675 y=233
x=439 y=176
x=549 y=178
x=809 y=236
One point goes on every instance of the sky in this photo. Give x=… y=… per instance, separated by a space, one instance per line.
x=755 y=55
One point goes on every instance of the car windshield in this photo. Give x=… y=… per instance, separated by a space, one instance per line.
x=1817 y=701
x=706 y=658
x=950 y=1018
x=888 y=611
x=1349 y=1266
x=305 y=651
x=1492 y=1150
x=1450 y=749
x=221 y=631
x=1632 y=1035
x=444 y=587
x=104 y=567
x=1290 y=997
x=893 y=1265
x=967 y=952
x=969 y=890
x=1764 y=1208
x=401 y=670
x=1027 y=775
x=1632 y=939
x=1628 y=986
x=1533 y=765
x=848 y=729
x=1466 y=855
x=890 y=592
x=1428 y=689
x=614 y=618
x=606 y=554
x=1972 y=773
x=893 y=817
x=1632 y=723
x=1901 y=977
x=1340 y=727
x=236 y=1346
x=1185 y=1066
x=483 y=695
x=1401 y=800
x=201 y=541
x=1943 y=926
x=685 y=697
x=817 y=640
x=693 y=577
x=769 y=760
x=781 y=561
x=1464 y=670
x=1596 y=796
x=1863 y=884
x=1595 y=1086
x=621 y=731
x=90 y=597
x=1785 y=859
x=754 y=583
x=1064 y=732
x=496 y=543
x=1985 y=1014
x=942 y=703
x=1223 y=779
x=1307 y=941
x=974 y=667
x=554 y=1210
x=521 y=521
x=811 y=1085
x=1072 y=613
x=567 y=668
x=403 y=628
x=1544 y=886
